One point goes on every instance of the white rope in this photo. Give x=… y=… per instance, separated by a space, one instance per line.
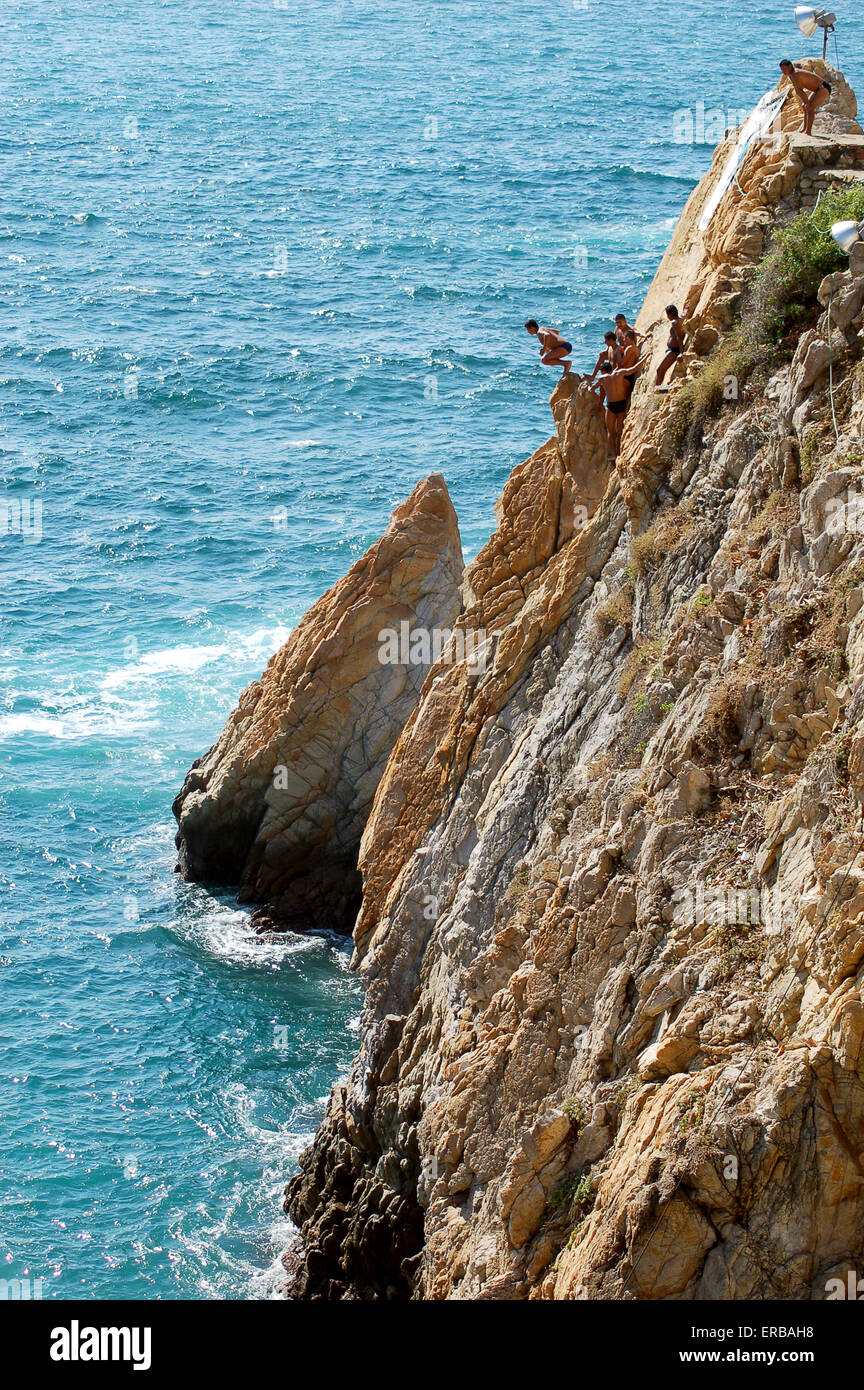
x=831 y=360
x=822 y=192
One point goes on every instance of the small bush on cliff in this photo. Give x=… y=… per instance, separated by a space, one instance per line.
x=720 y=733
x=809 y=454
x=576 y=1111
x=520 y=881
x=643 y=652
x=737 y=945
x=673 y=526
x=691 y=1112
x=783 y=291
x=841 y=759
x=574 y=1195
x=615 y=611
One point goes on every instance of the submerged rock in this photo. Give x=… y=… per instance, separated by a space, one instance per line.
x=279 y=803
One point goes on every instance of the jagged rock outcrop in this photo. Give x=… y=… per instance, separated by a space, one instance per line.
x=517 y=590
x=612 y=930
x=279 y=803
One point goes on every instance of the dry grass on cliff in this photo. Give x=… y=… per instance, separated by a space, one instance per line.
x=721 y=731
x=637 y=686
x=664 y=537
x=637 y=662
x=615 y=611
x=701 y=397
x=827 y=624
x=813 y=638
x=780 y=512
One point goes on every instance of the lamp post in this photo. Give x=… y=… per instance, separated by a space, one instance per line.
x=809 y=20
x=847 y=234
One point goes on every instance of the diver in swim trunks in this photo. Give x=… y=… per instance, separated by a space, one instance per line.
x=554 y=349
x=610 y=353
x=622 y=328
x=630 y=359
x=615 y=395
x=811 y=90
x=675 y=345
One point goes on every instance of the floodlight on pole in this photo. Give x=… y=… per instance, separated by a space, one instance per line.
x=847 y=234
x=809 y=20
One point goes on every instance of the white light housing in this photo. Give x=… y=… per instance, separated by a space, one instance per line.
x=846 y=234
x=809 y=20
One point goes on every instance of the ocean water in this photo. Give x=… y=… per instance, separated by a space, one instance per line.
x=264 y=266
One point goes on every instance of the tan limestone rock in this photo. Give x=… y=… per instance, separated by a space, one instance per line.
x=279 y=803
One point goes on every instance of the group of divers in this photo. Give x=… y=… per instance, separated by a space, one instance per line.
x=620 y=364
x=618 y=367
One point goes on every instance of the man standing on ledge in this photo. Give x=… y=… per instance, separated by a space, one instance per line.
x=554 y=350
x=811 y=91
x=675 y=345
x=614 y=391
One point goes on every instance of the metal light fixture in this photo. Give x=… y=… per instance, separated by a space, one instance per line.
x=846 y=234
x=809 y=20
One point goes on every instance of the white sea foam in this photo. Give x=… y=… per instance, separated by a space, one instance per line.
x=86 y=722
x=132 y=289
x=126 y=700
x=171 y=659
x=263 y=642
x=224 y=930
x=238 y=650
x=267 y=1283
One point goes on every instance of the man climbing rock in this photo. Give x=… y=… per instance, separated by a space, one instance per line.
x=675 y=344
x=610 y=352
x=812 y=91
x=629 y=360
x=554 y=349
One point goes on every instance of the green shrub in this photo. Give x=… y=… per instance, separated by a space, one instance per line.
x=691 y=1113
x=576 y=1111
x=575 y=1195
x=783 y=290
x=780 y=297
x=808 y=456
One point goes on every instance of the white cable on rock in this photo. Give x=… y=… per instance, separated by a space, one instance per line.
x=831 y=361
x=822 y=192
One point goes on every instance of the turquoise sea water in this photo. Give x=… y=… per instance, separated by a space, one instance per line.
x=264 y=266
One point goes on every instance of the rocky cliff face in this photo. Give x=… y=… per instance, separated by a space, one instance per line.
x=612 y=926
x=279 y=803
